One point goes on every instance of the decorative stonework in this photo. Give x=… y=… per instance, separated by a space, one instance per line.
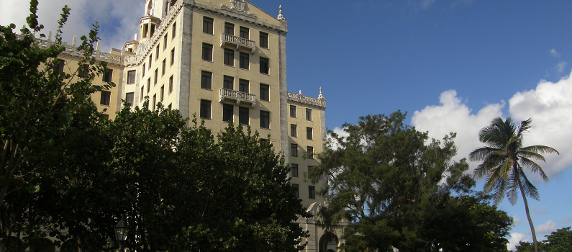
x=238 y=7
x=74 y=52
x=302 y=99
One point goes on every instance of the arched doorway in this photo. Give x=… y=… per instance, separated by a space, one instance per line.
x=328 y=242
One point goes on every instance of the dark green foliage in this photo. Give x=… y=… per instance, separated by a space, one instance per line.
x=398 y=188
x=558 y=241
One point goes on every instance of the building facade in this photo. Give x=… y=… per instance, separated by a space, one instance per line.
x=221 y=61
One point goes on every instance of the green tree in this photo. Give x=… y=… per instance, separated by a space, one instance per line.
x=558 y=241
x=397 y=188
x=505 y=160
x=42 y=111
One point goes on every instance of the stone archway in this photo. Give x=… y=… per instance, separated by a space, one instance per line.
x=328 y=242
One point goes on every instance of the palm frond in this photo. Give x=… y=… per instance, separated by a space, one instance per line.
x=527 y=186
x=539 y=149
x=533 y=167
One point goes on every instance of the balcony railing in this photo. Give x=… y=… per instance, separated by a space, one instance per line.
x=237 y=96
x=238 y=42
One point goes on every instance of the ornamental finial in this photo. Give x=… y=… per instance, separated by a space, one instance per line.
x=280 y=16
x=320 y=96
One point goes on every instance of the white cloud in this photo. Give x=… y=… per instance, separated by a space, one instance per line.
x=560 y=67
x=549 y=106
x=454 y=116
x=554 y=53
x=547 y=227
x=515 y=238
x=515 y=220
x=118 y=20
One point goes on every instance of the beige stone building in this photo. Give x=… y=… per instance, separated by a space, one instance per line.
x=221 y=61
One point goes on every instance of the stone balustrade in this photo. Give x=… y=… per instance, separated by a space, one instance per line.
x=300 y=98
x=237 y=96
x=227 y=39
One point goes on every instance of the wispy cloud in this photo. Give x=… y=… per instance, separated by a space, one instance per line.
x=554 y=53
x=515 y=238
x=547 y=227
x=515 y=220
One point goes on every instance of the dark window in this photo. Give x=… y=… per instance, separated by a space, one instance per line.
x=244 y=32
x=172 y=56
x=309 y=114
x=229 y=28
x=296 y=189
x=129 y=98
x=227 y=112
x=165 y=40
x=208 y=25
x=243 y=115
x=143 y=70
x=154 y=101
x=155 y=77
x=174 y=30
x=264 y=67
x=170 y=84
x=83 y=71
x=264 y=92
x=294 y=172
x=157 y=52
x=228 y=82
x=311 y=192
x=263 y=39
x=310 y=152
x=264 y=119
x=60 y=65
x=163 y=67
x=206 y=78
x=292 y=111
x=309 y=133
x=161 y=95
x=207 y=52
x=150 y=60
x=244 y=60
x=243 y=85
x=141 y=94
x=170 y=106
x=108 y=75
x=229 y=57
x=205 y=112
x=294 y=150
x=131 y=77
x=149 y=85
x=293 y=130
x=105 y=98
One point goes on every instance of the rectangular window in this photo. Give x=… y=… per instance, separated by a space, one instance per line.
x=131 y=77
x=229 y=57
x=294 y=150
x=141 y=94
x=171 y=84
x=264 y=40
x=264 y=119
x=309 y=133
x=157 y=52
x=60 y=65
x=229 y=28
x=244 y=32
x=105 y=98
x=227 y=112
x=165 y=40
x=163 y=67
x=228 y=82
x=264 y=65
x=244 y=60
x=264 y=92
x=172 y=56
x=293 y=130
x=206 y=80
x=309 y=114
x=243 y=115
x=129 y=98
x=311 y=192
x=207 y=52
x=310 y=152
x=143 y=70
x=174 y=30
x=149 y=85
x=83 y=71
x=156 y=76
x=154 y=101
x=170 y=106
x=150 y=61
x=296 y=189
x=108 y=75
x=161 y=95
x=243 y=85
x=205 y=112
x=208 y=25
x=310 y=170
x=294 y=171
x=292 y=111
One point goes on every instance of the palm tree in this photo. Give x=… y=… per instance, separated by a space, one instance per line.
x=504 y=162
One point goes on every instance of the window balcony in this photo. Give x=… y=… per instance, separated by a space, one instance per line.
x=237 y=96
x=237 y=42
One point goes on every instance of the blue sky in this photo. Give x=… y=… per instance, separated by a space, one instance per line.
x=452 y=65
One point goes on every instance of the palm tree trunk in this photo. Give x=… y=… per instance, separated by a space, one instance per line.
x=528 y=217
